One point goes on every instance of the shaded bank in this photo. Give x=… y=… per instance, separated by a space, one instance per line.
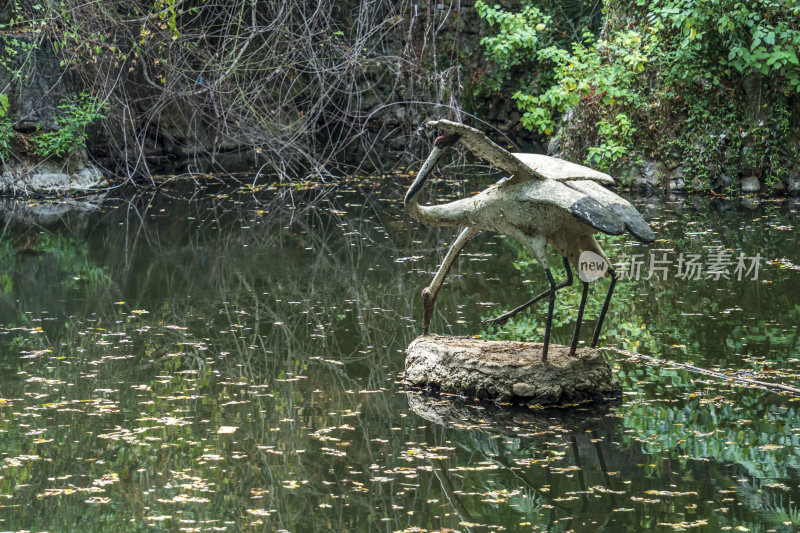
x=288 y=87
x=316 y=90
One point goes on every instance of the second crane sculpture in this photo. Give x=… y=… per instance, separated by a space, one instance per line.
x=544 y=201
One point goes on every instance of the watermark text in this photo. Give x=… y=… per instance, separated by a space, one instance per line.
x=714 y=265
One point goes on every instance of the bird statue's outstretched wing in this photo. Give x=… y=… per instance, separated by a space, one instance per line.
x=557 y=182
x=479 y=144
x=580 y=205
x=633 y=220
x=562 y=170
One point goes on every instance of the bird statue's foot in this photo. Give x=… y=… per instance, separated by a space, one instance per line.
x=502 y=319
x=496 y=321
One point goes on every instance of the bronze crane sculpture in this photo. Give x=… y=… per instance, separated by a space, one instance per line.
x=544 y=201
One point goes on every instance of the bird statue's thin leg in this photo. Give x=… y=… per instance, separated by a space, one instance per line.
x=550 y=309
x=577 y=333
x=430 y=292
x=502 y=319
x=604 y=310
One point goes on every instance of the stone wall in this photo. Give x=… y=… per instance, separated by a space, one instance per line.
x=671 y=177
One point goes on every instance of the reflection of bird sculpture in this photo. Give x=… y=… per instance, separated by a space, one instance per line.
x=545 y=200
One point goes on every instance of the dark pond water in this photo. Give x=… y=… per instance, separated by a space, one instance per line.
x=215 y=359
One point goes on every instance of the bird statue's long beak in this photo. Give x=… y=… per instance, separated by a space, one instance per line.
x=429 y=164
x=440 y=146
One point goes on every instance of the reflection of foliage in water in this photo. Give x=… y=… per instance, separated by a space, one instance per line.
x=69 y=256
x=40 y=270
x=200 y=364
x=675 y=412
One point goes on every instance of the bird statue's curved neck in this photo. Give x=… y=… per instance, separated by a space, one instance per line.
x=434 y=215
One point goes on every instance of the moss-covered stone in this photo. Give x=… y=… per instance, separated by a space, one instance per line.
x=509 y=371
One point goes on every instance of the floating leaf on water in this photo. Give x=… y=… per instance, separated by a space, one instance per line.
x=159 y=518
x=670 y=493
x=260 y=512
x=680 y=526
x=184 y=498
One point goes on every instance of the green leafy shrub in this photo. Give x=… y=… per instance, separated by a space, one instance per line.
x=718 y=39
x=604 y=71
x=519 y=36
x=6 y=130
x=702 y=83
x=76 y=115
